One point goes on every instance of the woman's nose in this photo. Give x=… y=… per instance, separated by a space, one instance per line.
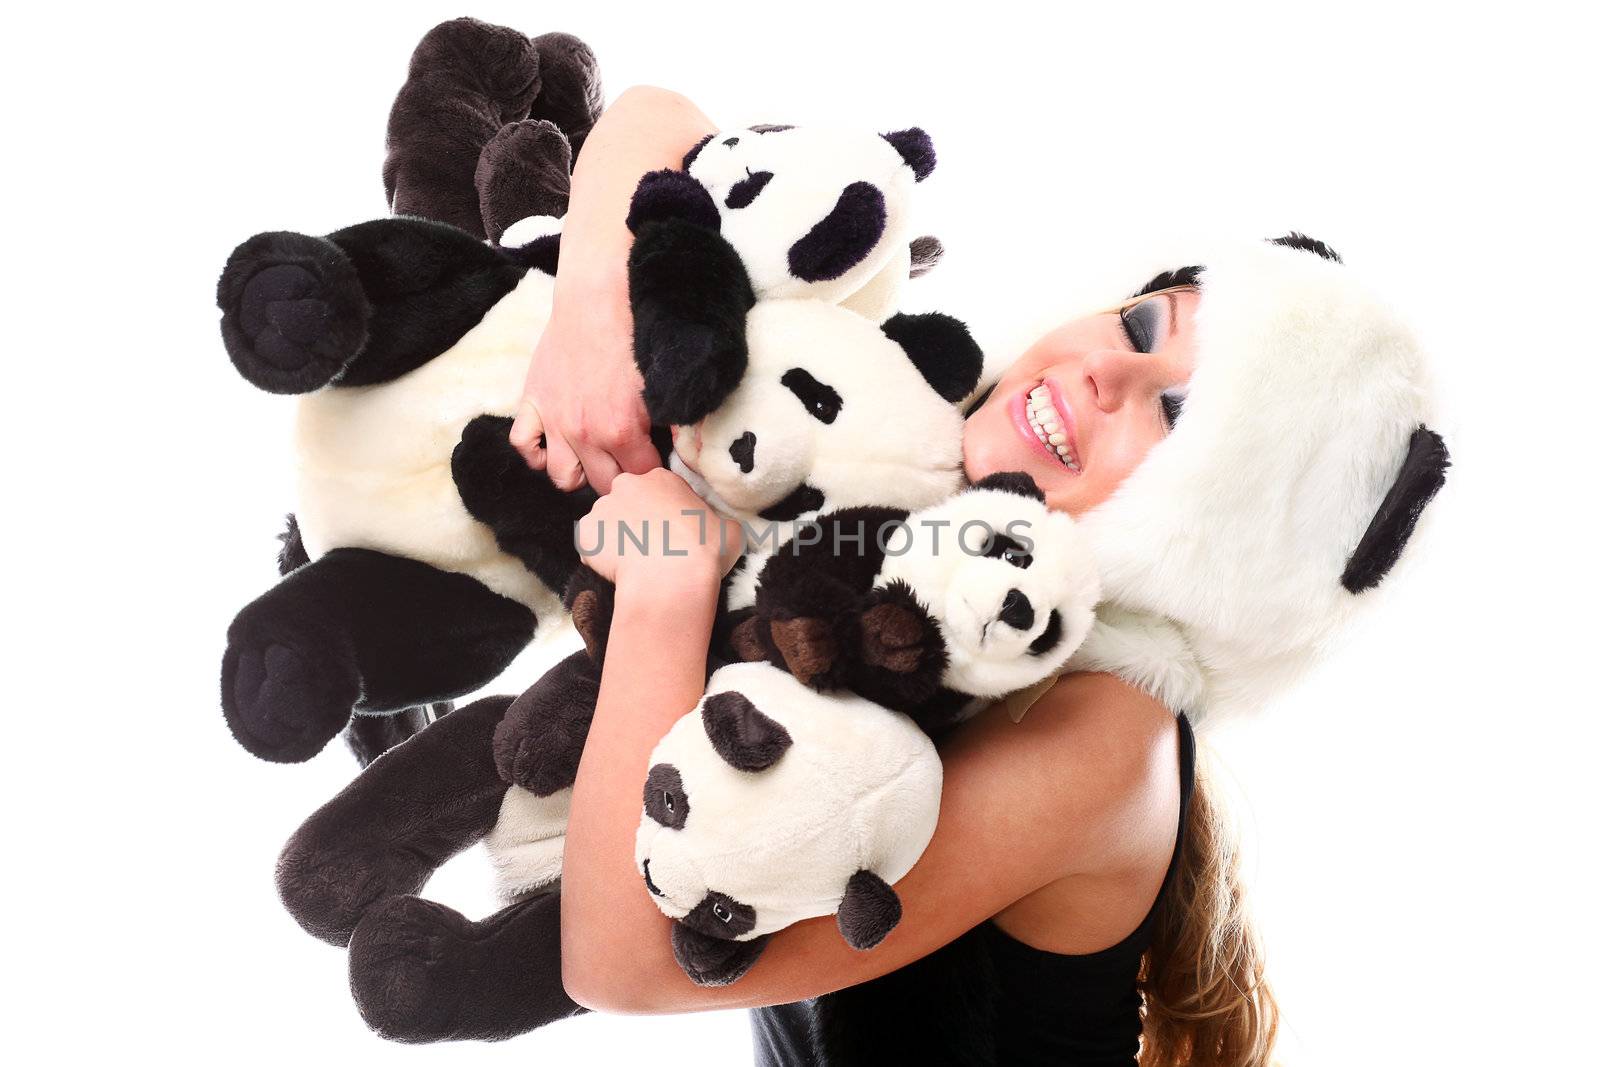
x=1113 y=375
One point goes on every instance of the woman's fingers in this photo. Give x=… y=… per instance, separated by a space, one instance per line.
x=526 y=430
x=561 y=463
x=637 y=454
x=598 y=469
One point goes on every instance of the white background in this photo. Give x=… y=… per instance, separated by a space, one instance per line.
x=1419 y=813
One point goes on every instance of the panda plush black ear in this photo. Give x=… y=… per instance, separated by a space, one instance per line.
x=942 y=349
x=1019 y=482
x=869 y=910
x=916 y=148
x=741 y=734
x=711 y=961
x=1421 y=476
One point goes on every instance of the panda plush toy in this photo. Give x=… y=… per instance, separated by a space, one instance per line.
x=427 y=551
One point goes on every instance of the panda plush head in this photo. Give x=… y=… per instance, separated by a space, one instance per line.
x=771 y=803
x=1011 y=584
x=833 y=412
x=815 y=211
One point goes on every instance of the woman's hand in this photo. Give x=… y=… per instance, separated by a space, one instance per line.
x=653 y=532
x=583 y=392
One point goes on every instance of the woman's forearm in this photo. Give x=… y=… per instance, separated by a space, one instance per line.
x=645 y=129
x=655 y=673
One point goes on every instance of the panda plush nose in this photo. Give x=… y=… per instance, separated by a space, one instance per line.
x=1015 y=610
x=743 y=451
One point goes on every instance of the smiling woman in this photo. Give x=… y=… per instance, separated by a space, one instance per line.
x=1080 y=408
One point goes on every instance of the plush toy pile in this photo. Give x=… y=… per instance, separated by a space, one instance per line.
x=764 y=279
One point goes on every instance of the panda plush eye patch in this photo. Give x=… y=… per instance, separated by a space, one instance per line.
x=664 y=798
x=1008 y=549
x=821 y=401
x=1050 y=638
x=745 y=191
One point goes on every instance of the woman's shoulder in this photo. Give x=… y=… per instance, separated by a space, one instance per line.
x=1104 y=758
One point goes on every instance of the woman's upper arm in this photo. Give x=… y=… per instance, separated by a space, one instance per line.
x=1071 y=789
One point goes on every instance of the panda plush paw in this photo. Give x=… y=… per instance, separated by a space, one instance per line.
x=284 y=699
x=524 y=170
x=293 y=311
x=538 y=743
x=590 y=600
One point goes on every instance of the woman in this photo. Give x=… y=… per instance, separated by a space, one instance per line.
x=1075 y=843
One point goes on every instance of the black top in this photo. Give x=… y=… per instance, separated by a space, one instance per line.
x=985 y=998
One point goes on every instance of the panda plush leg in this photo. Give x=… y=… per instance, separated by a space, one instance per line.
x=396 y=823
x=466 y=80
x=359 y=630
x=363 y=305
x=420 y=971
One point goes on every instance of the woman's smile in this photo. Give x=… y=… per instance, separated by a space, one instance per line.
x=1045 y=421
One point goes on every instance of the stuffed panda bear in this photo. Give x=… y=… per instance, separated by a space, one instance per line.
x=934 y=613
x=433 y=550
x=835 y=233
x=771 y=803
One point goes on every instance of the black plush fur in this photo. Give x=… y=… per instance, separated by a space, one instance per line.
x=538 y=742
x=370 y=736
x=690 y=296
x=421 y=971
x=942 y=349
x=532 y=520
x=1295 y=239
x=671 y=194
x=746 y=739
x=843 y=237
x=1421 y=476
x=359 y=629
x=293 y=311
x=570 y=94
x=714 y=961
x=869 y=910
x=363 y=305
x=467 y=81
x=916 y=148
x=363 y=846
x=525 y=169
x=926 y=252
x=1168 y=279
x=291 y=550
x=1017 y=482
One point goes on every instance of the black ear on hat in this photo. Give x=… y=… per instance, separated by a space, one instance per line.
x=1421 y=476
x=916 y=148
x=741 y=734
x=869 y=910
x=1018 y=482
x=942 y=349
x=1295 y=239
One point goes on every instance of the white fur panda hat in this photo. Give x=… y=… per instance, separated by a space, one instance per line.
x=1283 y=495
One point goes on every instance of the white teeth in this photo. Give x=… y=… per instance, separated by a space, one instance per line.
x=1046 y=423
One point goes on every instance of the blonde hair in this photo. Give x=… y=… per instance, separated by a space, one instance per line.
x=1206 y=998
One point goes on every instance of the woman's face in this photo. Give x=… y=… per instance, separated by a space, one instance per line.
x=1081 y=407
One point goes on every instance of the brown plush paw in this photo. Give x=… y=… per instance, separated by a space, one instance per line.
x=746 y=641
x=807 y=647
x=587 y=619
x=892 y=637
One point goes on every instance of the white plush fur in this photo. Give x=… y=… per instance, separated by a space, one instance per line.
x=810 y=165
x=939 y=554
x=374 y=461
x=894 y=443
x=525 y=847
x=858 y=790
x=1232 y=535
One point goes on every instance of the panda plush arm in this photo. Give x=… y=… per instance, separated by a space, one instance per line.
x=818 y=616
x=363 y=305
